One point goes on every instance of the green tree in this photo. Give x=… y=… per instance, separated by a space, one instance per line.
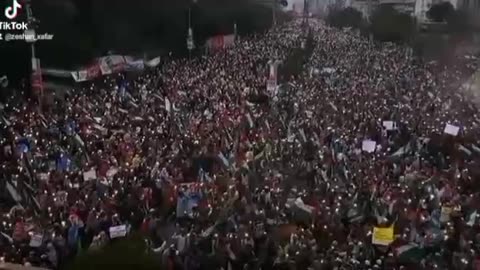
x=129 y=253
x=387 y=24
x=347 y=17
x=459 y=22
x=440 y=12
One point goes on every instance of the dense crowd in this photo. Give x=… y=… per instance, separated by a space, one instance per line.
x=346 y=166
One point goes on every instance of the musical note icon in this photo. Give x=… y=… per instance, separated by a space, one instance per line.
x=11 y=12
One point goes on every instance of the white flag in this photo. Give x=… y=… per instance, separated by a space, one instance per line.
x=168 y=105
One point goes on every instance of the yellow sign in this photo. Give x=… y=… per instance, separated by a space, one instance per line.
x=382 y=236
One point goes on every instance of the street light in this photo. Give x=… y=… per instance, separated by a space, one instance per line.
x=274 y=4
x=190 y=43
x=30 y=37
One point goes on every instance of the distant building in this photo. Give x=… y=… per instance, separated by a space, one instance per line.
x=404 y=6
x=473 y=8
x=415 y=8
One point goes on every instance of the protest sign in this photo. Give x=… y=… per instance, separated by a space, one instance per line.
x=451 y=130
x=382 y=236
x=36 y=240
x=389 y=125
x=118 y=231
x=90 y=175
x=369 y=146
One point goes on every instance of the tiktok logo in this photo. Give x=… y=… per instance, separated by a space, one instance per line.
x=11 y=12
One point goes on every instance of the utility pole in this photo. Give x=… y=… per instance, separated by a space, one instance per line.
x=274 y=13
x=36 y=76
x=305 y=13
x=190 y=44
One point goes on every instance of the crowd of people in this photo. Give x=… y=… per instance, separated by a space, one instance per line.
x=346 y=166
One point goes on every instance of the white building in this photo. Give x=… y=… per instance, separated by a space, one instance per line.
x=416 y=8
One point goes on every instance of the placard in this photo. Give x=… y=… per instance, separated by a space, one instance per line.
x=451 y=130
x=382 y=236
x=389 y=125
x=90 y=175
x=445 y=214
x=369 y=146
x=118 y=231
x=36 y=240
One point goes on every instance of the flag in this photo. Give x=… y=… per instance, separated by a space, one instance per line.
x=64 y=163
x=188 y=198
x=471 y=218
x=79 y=140
x=465 y=150
x=250 y=121
x=137 y=65
x=223 y=159
x=153 y=63
x=168 y=105
x=122 y=89
x=9 y=239
x=73 y=235
x=409 y=253
x=13 y=192
x=204 y=177
x=4 y=81
x=403 y=150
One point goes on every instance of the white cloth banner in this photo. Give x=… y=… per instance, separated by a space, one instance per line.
x=80 y=76
x=137 y=65
x=153 y=63
x=112 y=63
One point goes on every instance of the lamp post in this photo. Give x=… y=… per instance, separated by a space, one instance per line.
x=36 y=76
x=273 y=4
x=274 y=13
x=190 y=43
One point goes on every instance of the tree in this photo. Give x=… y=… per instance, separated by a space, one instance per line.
x=440 y=12
x=129 y=253
x=458 y=22
x=387 y=24
x=347 y=17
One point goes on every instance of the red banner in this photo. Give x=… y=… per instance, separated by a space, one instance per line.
x=220 y=42
x=36 y=79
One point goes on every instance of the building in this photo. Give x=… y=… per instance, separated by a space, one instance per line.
x=473 y=8
x=404 y=6
x=415 y=8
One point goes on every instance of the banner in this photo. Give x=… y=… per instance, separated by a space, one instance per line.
x=88 y=73
x=36 y=79
x=138 y=65
x=272 y=80
x=111 y=64
x=220 y=42
x=153 y=63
